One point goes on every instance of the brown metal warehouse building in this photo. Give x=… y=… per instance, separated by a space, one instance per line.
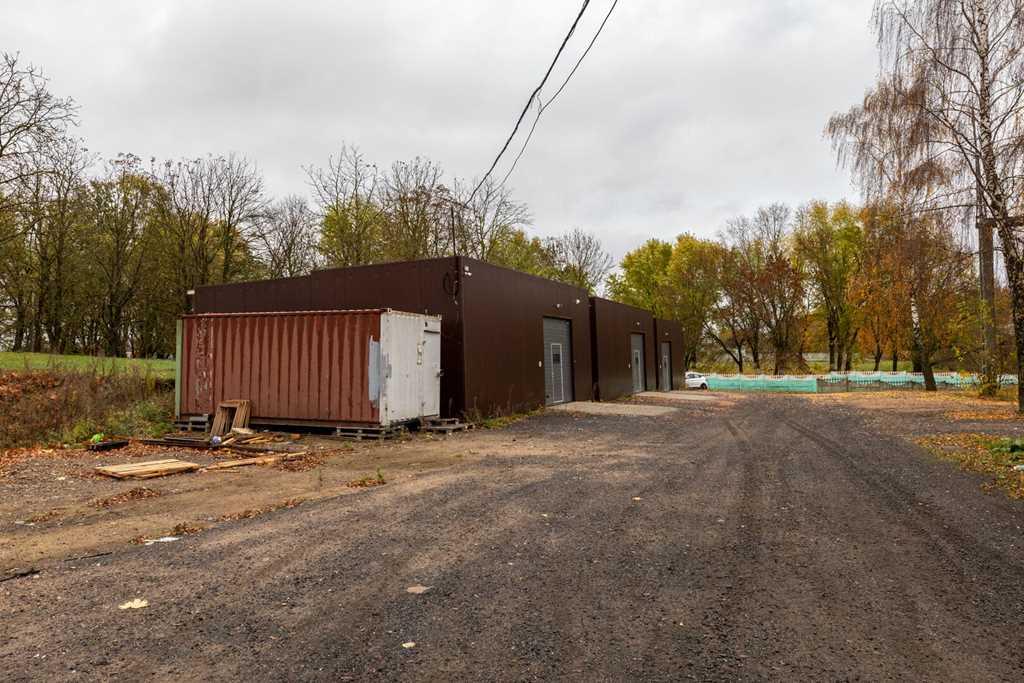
x=510 y=341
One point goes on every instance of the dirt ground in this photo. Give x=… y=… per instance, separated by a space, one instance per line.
x=725 y=538
x=55 y=506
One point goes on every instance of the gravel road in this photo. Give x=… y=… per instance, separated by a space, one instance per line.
x=771 y=538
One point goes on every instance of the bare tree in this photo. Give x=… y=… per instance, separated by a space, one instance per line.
x=417 y=208
x=347 y=193
x=580 y=259
x=287 y=238
x=485 y=221
x=240 y=204
x=966 y=57
x=31 y=119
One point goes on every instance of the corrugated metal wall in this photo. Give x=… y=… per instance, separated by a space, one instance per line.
x=504 y=337
x=672 y=331
x=298 y=367
x=611 y=325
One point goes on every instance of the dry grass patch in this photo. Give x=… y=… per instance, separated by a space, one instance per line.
x=256 y=512
x=138 y=493
x=185 y=529
x=367 y=482
x=43 y=517
x=300 y=463
x=983 y=454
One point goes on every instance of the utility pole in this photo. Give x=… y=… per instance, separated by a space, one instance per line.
x=986 y=258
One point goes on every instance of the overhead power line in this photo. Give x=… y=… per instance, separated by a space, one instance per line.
x=533 y=96
x=545 y=105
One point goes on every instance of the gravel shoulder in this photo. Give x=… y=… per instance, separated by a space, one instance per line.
x=742 y=539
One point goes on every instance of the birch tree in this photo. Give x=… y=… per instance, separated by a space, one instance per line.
x=966 y=58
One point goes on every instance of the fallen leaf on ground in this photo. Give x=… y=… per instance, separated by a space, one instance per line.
x=408 y=646
x=418 y=589
x=137 y=603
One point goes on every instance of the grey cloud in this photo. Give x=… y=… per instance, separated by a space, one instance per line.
x=686 y=113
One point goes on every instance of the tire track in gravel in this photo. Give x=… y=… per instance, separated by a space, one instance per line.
x=939 y=578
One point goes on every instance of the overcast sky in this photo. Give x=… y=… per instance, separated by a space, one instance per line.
x=686 y=113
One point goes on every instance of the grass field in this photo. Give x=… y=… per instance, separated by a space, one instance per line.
x=163 y=369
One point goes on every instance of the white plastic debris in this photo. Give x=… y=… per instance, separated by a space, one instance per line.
x=162 y=539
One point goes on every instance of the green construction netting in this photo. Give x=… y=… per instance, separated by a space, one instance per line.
x=800 y=385
x=851 y=381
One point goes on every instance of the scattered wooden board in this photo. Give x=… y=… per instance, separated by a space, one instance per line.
x=242 y=462
x=175 y=443
x=147 y=470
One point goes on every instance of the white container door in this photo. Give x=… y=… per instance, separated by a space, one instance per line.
x=431 y=380
x=410 y=366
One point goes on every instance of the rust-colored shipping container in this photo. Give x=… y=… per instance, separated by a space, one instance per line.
x=322 y=368
x=671 y=354
x=624 y=350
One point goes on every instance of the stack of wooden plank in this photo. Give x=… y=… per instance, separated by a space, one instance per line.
x=147 y=470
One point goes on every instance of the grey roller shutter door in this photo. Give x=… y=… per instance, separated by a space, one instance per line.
x=557 y=361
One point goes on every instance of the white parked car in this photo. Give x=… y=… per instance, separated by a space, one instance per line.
x=695 y=380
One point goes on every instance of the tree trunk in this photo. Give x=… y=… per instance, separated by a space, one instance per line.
x=878 y=355
x=1017 y=295
x=833 y=360
x=19 y=330
x=928 y=372
x=895 y=358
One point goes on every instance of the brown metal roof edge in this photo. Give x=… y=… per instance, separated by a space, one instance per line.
x=363 y=266
x=339 y=311
x=644 y=311
x=239 y=283
x=487 y=264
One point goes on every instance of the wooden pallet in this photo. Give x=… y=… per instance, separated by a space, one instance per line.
x=369 y=433
x=445 y=426
x=147 y=470
x=443 y=421
x=230 y=415
x=193 y=423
